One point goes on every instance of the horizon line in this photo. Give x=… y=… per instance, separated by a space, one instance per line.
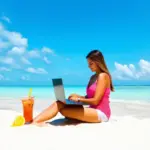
x=75 y=85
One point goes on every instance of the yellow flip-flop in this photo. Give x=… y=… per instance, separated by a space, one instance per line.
x=19 y=121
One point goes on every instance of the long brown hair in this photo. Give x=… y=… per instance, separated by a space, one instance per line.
x=97 y=57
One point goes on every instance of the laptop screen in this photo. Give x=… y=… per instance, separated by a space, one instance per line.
x=59 y=89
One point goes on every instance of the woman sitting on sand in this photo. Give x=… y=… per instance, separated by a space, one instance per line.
x=98 y=91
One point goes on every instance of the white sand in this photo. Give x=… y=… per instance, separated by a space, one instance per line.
x=126 y=130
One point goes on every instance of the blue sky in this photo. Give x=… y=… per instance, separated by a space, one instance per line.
x=47 y=39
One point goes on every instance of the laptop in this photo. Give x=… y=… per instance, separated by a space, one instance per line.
x=60 y=93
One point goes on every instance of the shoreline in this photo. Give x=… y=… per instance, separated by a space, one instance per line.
x=119 y=108
x=53 y=98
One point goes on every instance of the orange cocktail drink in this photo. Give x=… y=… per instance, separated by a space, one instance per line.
x=28 y=109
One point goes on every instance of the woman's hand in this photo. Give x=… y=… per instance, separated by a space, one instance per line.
x=74 y=98
x=72 y=95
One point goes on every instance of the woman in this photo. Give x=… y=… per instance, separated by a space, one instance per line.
x=98 y=91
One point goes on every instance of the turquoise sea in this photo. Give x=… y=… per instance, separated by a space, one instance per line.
x=125 y=93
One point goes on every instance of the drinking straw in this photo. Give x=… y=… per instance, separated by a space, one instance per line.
x=30 y=92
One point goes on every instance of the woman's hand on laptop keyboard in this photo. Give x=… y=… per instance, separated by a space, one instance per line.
x=73 y=95
x=74 y=98
x=79 y=96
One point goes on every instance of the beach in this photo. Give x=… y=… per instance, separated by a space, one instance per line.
x=99 y=50
x=128 y=128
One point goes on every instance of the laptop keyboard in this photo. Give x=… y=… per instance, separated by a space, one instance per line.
x=72 y=102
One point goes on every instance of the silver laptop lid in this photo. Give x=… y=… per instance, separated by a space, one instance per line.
x=59 y=89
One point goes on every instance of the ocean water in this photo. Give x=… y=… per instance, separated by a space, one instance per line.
x=122 y=93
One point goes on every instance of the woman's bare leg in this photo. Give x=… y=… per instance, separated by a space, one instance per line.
x=80 y=113
x=49 y=112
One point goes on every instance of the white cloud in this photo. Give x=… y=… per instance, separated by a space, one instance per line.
x=7 y=60
x=118 y=76
x=128 y=72
x=37 y=71
x=5 y=18
x=132 y=67
x=25 y=77
x=14 y=38
x=3 y=78
x=144 y=65
x=17 y=50
x=15 y=44
x=4 y=69
x=46 y=60
x=34 y=54
x=3 y=44
x=25 y=61
x=15 y=53
x=124 y=69
x=47 y=50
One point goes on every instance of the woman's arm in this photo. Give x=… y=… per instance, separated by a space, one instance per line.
x=102 y=83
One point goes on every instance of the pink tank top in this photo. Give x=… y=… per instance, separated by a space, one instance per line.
x=103 y=104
